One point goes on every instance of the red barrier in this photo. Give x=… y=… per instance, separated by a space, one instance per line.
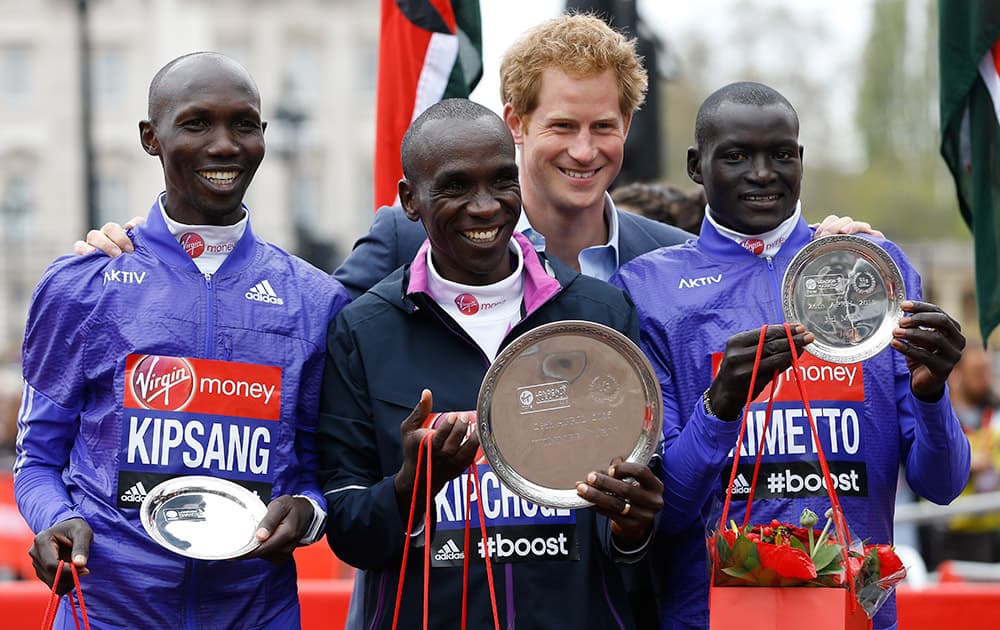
x=22 y=604
x=325 y=602
x=15 y=535
x=951 y=606
x=317 y=562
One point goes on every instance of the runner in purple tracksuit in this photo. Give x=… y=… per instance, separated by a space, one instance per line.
x=200 y=354
x=701 y=306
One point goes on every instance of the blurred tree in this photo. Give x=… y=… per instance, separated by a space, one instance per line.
x=753 y=43
x=896 y=105
x=868 y=115
x=896 y=115
x=869 y=124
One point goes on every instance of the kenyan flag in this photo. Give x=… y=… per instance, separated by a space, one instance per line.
x=429 y=50
x=969 y=52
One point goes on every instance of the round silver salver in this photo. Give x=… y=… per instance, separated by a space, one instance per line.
x=846 y=291
x=203 y=517
x=564 y=400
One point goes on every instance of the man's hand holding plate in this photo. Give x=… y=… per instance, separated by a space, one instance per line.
x=287 y=520
x=932 y=342
x=629 y=494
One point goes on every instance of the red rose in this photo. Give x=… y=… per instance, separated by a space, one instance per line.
x=889 y=562
x=786 y=561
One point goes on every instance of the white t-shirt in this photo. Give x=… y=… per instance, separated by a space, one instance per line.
x=765 y=245
x=207 y=245
x=487 y=312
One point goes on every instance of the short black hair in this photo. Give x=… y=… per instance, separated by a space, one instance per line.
x=153 y=98
x=448 y=109
x=742 y=93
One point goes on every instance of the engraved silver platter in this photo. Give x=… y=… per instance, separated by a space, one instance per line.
x=203 y=517
x=563 y=400
x=847 y=291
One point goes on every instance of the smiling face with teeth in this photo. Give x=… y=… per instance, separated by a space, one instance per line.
x=461 y=183
x=750 y=163
x=572 y=143
x=204 y=125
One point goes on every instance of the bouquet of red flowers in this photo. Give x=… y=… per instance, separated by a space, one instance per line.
x=781 y=554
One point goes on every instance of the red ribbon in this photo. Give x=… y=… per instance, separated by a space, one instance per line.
x=52 y=607
x=840 y=524
x=474 y=481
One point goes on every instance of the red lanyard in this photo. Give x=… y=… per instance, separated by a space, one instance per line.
x=50 y=610
x=474 y=479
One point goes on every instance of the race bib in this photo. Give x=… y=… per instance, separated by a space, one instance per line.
x=517 y=530
x=789 y=461
x=184 y=416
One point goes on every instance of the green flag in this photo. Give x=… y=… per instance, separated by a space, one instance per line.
x=969 y=54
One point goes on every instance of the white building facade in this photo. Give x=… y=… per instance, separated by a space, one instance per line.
x=315 y=58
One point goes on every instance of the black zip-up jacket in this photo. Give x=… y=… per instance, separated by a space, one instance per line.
x=382 y=350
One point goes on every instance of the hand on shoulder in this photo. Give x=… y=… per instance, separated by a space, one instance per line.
x=834 y=224
x=112 y=239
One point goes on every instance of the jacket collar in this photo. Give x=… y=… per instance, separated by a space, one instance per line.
x=542 y=279
x=167 y=249
x=718 y=246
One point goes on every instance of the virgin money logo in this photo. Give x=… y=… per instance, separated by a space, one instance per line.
x=753 y=245
x=467 y=304
x=165 y=383
x=823 y=380
x=193 y=244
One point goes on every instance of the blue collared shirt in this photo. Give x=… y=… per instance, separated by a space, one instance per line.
x=597 y=261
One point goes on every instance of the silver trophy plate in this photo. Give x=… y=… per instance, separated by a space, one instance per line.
x=563 y=400
x=203 y=517
x=845 y=290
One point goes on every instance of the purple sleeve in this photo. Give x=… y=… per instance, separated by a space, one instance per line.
x=696 y=445
x=308 y=414
x=936 y=452
x=49 y=419
x=694 y=455
x=939 y=456
x=46 y=432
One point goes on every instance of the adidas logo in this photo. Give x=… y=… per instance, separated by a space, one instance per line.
x=135 y=494
x=262 y=292
x=449 y=551
x=740 y=485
